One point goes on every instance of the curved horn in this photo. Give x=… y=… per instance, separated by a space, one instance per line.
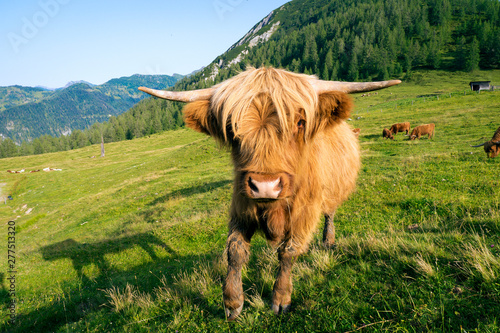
x=180 y=96
x=322 y=86
x=480 y=145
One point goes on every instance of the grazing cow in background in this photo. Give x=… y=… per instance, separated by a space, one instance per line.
x=357 y=132
x=422 y=130
x=387 y=134
x=401 y=127
x=492 y=147
x=295 y=158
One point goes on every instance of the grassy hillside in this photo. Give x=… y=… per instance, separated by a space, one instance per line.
x=133 y=242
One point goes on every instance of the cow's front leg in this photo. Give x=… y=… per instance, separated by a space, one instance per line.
x=238 y=252
x=329 y=232
x=282 y=291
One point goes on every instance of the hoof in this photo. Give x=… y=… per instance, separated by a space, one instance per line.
x=281 y=309
x=234 y=313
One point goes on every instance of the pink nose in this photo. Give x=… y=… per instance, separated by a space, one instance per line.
x=264 y=189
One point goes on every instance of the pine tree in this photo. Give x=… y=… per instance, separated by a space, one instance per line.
x=296 y=66
x=37 y=147
x=26 y=149
x=473 y=58
x=329 y=62
x=353 y=71
x=8 y=148
x=334 y=75
x=325 y=73
x=434 y=52
x=461 y=54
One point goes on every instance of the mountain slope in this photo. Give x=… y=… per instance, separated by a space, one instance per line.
x=31 y=112
x=365 y=39
x=18 y=95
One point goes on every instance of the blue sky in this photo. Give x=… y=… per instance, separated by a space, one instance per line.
x=51 y=42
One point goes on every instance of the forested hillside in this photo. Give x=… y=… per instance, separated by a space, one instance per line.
x=369 y=39
x=17 y=95
x=353 y=40
x=27 y=113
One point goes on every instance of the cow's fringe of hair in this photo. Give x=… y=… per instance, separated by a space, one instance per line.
x=288 y=92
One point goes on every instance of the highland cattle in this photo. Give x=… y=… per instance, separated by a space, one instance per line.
x=387 y=134
x=492 y=147
x=400 y=127
x=295 y=159
x=420 y=130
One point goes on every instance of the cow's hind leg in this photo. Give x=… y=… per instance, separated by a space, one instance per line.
x=329 y=231
x=282 y=290
x=238 y=252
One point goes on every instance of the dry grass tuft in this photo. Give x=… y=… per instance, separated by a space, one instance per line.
x=267 y=261
x=255 y=300
x=479 y=259
x=424 y=267
x=128 y=297
x=324 y=260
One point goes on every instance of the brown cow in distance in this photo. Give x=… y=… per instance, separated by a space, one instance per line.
x=295 y=159
x=387 y=134
x=492 y=147
x=420 y=130
x=400 y=127
x=356 y=131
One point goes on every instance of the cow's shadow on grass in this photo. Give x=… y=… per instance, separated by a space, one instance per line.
x=89 y=295
x=398 y=137
x=4 y=290
x=85 y=254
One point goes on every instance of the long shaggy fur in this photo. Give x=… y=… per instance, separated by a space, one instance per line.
x=420 y=130
x=400 y=127
x=492 y=147
x=256 y=114
x=279 y=129
x=277 y=88
x=387 y=134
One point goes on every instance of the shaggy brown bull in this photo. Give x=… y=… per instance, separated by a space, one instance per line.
x=387 y=134
x=492 y=147
x=295 y=158
x=401 y=127
x=420 y=130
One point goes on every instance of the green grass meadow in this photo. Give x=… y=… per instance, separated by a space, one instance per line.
x=134 y=241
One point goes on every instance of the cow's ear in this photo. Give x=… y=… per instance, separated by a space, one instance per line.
x=334 y=107
x=197 y=117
